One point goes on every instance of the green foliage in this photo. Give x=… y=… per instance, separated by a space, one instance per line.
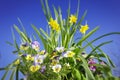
x=70 y=62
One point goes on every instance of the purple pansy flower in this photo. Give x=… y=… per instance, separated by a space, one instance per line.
x=92 y=67
x=43 y=69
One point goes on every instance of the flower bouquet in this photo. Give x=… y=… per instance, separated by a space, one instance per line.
x=64 y=56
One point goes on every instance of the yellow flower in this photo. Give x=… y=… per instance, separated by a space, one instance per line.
x=34 y=68
x=54 y=25
x=84 y=28
x=24 y=46
x=56 y=68
x=69 y=54
x=17 y=62
x=54 y=62
x=53 y=55
x=29 y=58
x=42 y=52
x=73 y=19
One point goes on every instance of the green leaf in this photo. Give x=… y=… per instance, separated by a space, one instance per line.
x=76 y=73
x=7 y=70
x=22 y=26
x=107 y=58
x=5 y=74
x=87 y=36
x=12 y=74
x=17 y=72
x=89 y=74
x=81 y=19
x=22 y=34
x=105 y=35
x=102 y=36
x=77 y=12
x=44 y=41
x=48 y=9
x=11 y=44
x=55 y=12
x=14 y=39
x=2 y=68
x=97 y=48
x=44 y=9
x=45 y=34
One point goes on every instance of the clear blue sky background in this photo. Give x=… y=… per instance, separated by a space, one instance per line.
x=105 y=13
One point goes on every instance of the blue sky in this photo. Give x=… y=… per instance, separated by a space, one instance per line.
x=103 y=13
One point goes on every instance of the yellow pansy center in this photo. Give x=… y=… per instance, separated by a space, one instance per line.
x=56 y=68
x=34 y=68
x=70 y=54
x=29 y=58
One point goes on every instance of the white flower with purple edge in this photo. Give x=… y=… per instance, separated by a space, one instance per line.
x=35 y=45
x=38 y=59
x=59 y=49
x=68 y=54
x=56 y=68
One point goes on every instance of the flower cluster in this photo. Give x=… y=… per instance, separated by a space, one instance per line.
x=64 y=56
x=59 y=60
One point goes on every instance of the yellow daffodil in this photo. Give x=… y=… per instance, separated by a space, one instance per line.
x=17 y=62
x=29 y=58
x=84 y=28
x=34 y=68
x=73 y=19
x=54 y=25
x=56 y=68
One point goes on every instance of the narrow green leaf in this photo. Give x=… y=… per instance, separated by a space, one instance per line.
x=14 y=39
x=5 y=74
x=89 y=74
x=104 y=43
x=48 y=10
x=81 y=19
x=78 y=8
x=45 y=34
x=11 y=44
x=7 y=70
x=55 y=12
x=22 y=26
x=102 y=36
x=17 y=72
x=41 y=37
x=107 y=58
x=105 y=35
x=44 y=9
x=12 y=74
x=88 y=35
x=2 y=68
x=77 y=75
